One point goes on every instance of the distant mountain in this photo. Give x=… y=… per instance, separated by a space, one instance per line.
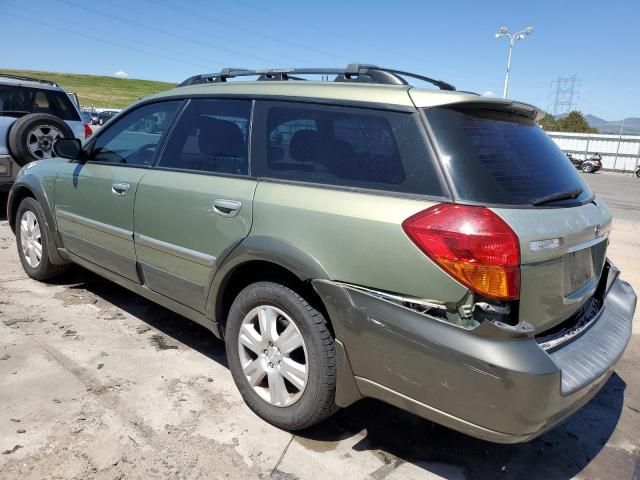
x=631 y=125
x=596 y=122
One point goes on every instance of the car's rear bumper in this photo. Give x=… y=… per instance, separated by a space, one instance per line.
x=499 y=389
x=8 y=171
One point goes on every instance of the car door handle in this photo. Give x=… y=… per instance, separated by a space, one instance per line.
x=120 y=189
x=226 y=208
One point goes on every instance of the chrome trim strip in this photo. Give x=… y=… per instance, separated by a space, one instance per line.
x=87 y=222
x=175 y=250
x=587 y=244
x=391 y=297
x=580 y=294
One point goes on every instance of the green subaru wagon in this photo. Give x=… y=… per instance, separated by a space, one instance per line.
x=347 y=238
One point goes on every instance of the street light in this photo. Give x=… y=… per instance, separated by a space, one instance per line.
x=504 y=32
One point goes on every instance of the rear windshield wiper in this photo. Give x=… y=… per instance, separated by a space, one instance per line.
x=566 y=195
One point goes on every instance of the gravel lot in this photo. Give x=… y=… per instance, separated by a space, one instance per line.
x=96 y=382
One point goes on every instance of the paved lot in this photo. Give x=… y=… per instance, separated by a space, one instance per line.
x=621 y=192
x=96 y=382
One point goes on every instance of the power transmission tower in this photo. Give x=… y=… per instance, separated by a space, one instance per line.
x=563 y=95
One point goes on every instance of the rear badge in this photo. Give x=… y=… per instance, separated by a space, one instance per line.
x=548 y=244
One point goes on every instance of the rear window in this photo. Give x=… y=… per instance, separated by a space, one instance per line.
x=18 y=101
x=501 y=158
x=344 y=146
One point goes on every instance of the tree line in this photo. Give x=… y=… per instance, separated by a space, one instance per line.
x=574 y=121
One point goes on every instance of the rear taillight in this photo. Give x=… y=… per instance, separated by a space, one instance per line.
x=472 y=244
x=87 y=131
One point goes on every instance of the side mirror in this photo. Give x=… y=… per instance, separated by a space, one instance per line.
x=70 y=148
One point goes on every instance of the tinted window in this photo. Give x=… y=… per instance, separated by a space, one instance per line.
x=501 y=158
x=23 y=100
x=133 y=139
x=345 y=146
x=211 y=136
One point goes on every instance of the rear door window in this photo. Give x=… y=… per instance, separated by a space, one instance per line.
x=210 y=136
x=502 y=158
x=343 y=146
x=17 y=101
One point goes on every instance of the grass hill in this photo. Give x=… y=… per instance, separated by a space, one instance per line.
x=99 y=91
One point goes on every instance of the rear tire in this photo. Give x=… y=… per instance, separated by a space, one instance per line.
x=33 y=241
x=31 y=137
x=257 y=369
x=587 y=168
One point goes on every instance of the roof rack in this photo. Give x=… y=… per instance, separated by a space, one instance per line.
x=354 y=72
x=28 y=79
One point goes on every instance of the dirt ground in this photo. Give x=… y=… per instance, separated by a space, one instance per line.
x=97 y=383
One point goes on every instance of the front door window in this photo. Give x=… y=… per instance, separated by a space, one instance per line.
x=134 y=138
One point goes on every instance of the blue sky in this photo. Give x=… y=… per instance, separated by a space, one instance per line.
x=454 y=41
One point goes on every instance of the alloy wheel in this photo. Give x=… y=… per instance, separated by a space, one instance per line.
x=273 y=355
x=31 y=239
x=40 y=141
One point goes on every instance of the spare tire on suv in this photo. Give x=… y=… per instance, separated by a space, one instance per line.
x=31 y=137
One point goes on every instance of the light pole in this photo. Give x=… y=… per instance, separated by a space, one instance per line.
x=504 y=32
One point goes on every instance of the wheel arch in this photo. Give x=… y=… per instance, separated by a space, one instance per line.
x=28 y=186
x=262 y=258
x=18 y=193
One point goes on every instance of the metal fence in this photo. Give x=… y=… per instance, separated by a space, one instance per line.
x=619 y=152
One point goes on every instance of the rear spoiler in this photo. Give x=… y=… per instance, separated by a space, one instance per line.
x=519 y=108
x=423 y=99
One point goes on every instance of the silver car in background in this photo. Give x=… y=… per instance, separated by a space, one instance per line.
x=33 y=114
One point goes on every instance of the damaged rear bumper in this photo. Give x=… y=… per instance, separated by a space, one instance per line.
x=503 y=390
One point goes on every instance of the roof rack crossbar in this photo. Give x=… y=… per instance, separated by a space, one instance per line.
x=28 y=79
x=354 y=72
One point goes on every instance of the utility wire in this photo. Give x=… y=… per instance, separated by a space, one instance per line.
x=169 y=33
x=103 y=40
x=383 y=47
x=280 y=39
x=271 y=13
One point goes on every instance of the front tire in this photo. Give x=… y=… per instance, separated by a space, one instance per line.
x=587 y=168
x=282 y=356
x=33 y=241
